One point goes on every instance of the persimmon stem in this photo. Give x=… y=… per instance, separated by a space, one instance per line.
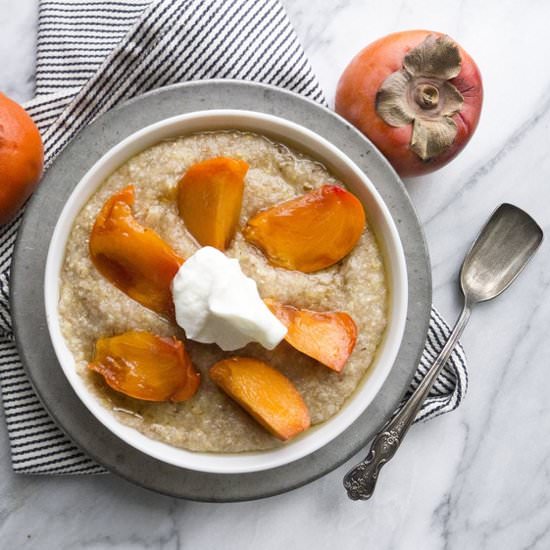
x=427 y=96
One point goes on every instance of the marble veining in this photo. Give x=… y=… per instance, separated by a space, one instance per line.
x=477 y=478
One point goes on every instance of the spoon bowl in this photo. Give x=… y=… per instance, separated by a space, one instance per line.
x=500 y=252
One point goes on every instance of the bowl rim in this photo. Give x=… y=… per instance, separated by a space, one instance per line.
x=315 y=437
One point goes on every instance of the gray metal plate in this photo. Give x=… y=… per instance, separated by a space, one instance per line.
x=28 y=275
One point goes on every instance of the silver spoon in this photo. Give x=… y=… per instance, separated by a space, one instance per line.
x=500 y=252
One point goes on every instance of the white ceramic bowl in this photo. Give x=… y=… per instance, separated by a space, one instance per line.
x=379 y=218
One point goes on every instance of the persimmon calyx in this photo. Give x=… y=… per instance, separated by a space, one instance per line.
x=421 y=94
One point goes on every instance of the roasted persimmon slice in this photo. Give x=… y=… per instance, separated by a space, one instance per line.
x=310 y=232
x=266 y=394
x=210 y=196
x=329 y=337
x=133 y=257
x=146 y=366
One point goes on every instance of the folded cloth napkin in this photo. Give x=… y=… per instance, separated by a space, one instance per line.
x=94 y=54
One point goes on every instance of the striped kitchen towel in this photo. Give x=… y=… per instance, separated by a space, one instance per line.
x=94 y=54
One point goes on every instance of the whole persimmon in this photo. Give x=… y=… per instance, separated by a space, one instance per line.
x=416 y=95
x=21 y=157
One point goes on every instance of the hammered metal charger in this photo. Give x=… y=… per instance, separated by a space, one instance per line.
x=28 y=274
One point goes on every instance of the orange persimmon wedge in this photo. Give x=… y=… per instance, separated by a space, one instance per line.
x=146 y=366
x=210 y=196
x=329 y=337
x=266 y=394
x=310 y=232
x=132 y=257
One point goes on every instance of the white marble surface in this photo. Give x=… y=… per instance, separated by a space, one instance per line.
x=477 y=478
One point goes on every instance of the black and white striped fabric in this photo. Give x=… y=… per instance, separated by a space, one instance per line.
x=93 y=54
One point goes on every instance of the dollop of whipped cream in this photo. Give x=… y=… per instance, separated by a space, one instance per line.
x=216 y=303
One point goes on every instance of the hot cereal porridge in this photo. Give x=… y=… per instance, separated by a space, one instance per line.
x=91 y=307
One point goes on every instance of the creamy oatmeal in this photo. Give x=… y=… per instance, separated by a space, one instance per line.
x=91 y=307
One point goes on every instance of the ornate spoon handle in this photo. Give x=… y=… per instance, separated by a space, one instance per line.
x=360 y=481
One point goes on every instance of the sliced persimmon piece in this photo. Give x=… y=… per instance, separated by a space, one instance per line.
x=210 y=196
x=329 y=337
x=133 y=257
x=266 y=394
x=310 y=232
x=146 y=366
